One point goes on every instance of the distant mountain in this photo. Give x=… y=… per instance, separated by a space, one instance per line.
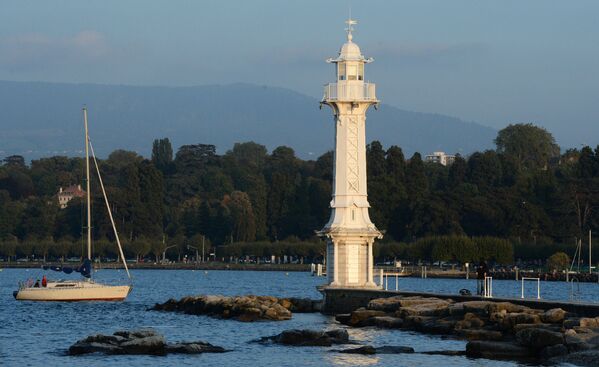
x=43 y=119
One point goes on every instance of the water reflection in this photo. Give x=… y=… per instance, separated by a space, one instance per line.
x=341 y=359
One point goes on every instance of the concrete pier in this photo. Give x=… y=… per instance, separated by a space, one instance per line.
x=345 y=300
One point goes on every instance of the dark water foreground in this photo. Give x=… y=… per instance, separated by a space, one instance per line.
x=37 y=334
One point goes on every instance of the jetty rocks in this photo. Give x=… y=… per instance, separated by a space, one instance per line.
x=494 y=330
x=308 y=338
x=242 y=308
x=145 y=341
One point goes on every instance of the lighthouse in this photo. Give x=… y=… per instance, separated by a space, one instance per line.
x=350 y=233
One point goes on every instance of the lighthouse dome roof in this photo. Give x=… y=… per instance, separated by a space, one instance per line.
x=350 y=51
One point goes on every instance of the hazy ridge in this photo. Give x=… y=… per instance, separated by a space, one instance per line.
x=44 y=119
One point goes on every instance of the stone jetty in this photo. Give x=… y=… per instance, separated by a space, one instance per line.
x=145 y=341
x=242 y=308
x=495 y=330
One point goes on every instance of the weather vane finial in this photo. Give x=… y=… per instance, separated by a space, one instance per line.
x=350 y=22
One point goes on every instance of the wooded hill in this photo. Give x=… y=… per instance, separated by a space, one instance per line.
x=524 y=191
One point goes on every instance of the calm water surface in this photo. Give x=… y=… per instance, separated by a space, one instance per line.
x=38 y=334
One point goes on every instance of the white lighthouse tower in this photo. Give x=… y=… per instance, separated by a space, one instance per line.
x=350 y=233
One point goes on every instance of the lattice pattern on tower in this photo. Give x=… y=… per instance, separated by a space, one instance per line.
x=353 y=179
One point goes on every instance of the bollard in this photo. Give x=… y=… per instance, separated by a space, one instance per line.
x=396 y=281
x=381 y=278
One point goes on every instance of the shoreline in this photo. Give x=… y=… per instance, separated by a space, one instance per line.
x=174 y=266
x=390 y=272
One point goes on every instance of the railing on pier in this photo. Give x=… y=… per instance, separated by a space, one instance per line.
x=538 y=286
x=318 y=270
x=384 y=278
x=488 y=287
x=349 y=92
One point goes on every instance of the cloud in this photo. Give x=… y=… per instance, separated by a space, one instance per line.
x=34 y=51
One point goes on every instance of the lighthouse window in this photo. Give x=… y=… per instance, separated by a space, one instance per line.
x=361 y=72
x=352 y=71
x=341 y=72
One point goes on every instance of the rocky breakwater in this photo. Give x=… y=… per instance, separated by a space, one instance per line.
x=242 y=308
x=496 y=330
x=307 y=338
x=138 y=342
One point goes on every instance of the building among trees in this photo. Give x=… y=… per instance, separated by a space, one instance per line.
x=67 y=194
x=440 y=157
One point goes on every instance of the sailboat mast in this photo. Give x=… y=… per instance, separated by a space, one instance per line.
x=87 y=188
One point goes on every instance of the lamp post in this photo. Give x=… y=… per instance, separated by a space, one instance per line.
x=203 y=248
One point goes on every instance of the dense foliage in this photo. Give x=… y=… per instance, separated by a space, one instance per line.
x=525 y=192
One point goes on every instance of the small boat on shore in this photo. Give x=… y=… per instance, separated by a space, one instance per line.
x=86 y=289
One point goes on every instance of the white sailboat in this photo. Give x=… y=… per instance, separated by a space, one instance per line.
x=87 y=289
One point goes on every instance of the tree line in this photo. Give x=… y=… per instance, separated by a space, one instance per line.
x=525 y=191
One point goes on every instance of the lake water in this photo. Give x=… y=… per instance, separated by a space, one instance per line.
x=38 y=334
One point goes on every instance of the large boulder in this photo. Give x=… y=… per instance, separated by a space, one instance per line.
x=193 y=348
x=437 y=326
x=553 y=316
x=387 y=322
x=510 y=320
x=138 y=342
x=538 y=338
x=486 y=308
x=480 y=308
x=304 y=337
x=121 y=342
x=147 y=345
x=300 y=305
x=366 y=349
x=582 y=340
x=552 y=327
x=480 y=334
x=497 y=350
x=386 y=349
x=364 y=317
x=438 y=308
x=589 y=322
x=392 y=304
x=587 y=358
x=470 y=321
x=553 y=351
x=389 y=304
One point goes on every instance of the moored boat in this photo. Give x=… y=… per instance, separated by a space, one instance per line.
x=86 y=289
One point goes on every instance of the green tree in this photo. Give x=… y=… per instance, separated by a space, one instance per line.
x=558 y=261
x=162 y=154
x=140 y=246
x=532 y=146
x=242 y=216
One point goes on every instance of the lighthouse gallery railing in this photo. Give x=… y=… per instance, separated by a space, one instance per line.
x=348 y=92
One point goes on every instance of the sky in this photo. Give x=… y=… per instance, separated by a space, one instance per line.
x=492 y=62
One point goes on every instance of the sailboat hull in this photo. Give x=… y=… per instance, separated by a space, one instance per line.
x=73 y=292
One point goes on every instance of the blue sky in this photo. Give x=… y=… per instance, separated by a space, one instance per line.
x=493 y=62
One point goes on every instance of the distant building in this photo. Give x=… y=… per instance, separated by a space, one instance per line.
x=441 y=158
x=67 y=194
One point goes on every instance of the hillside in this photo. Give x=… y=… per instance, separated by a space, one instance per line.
x=42 y=119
